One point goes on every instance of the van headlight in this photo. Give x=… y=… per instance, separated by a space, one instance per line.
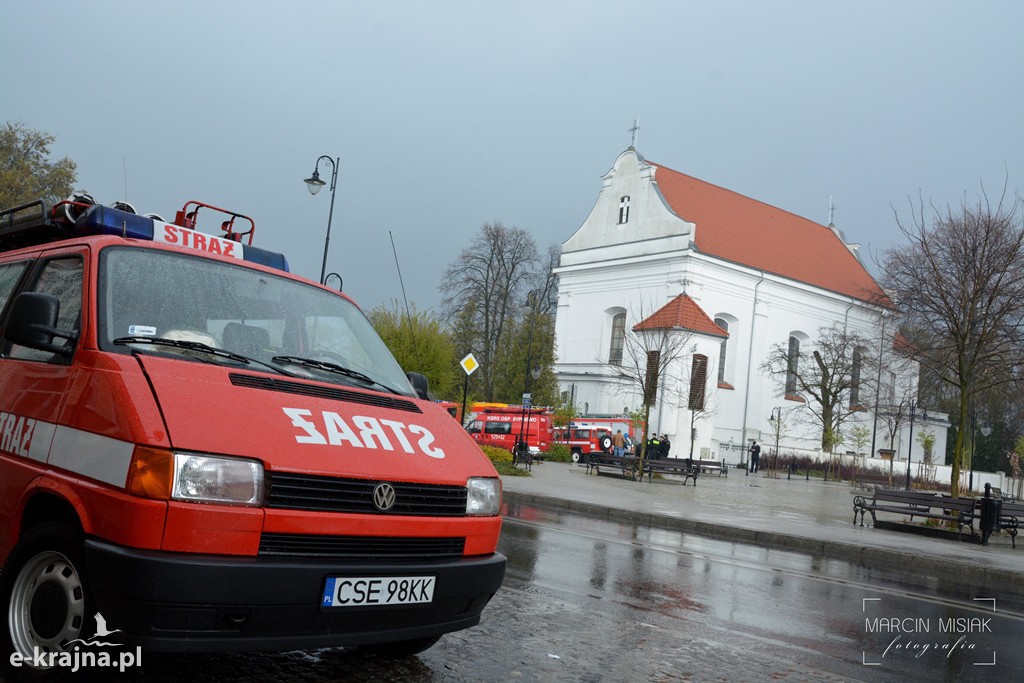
x=483 y=497
x=209 y=479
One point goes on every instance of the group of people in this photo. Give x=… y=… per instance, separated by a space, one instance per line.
x=658 y=446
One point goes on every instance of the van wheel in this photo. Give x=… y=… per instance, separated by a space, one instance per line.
x=577 y=455
x=45 y=593
x=606 y=443
x=402 y=648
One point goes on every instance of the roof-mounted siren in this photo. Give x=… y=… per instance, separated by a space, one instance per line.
x=75 y=205
x=188 y=217
x=154 y=217
x=124 y=206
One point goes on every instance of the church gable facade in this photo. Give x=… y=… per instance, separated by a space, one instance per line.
x=760 y=275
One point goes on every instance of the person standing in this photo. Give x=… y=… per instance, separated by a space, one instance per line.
x=653 y=447
x=663 y=446
x=618 y=443
x=755 y=457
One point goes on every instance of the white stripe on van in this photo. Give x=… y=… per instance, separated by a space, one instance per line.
x=92 y=455
x=41 y=440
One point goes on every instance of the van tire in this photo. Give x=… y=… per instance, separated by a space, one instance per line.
x=45 y=596
x=605 y=442
x=577 y=455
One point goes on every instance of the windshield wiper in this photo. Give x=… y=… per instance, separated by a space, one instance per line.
x=201 y=347
x=333 y=368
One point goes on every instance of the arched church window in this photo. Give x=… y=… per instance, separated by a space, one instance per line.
x=624 y=209
x=723 y=352
x=698 y=380
x=792 y=365
x=618 y=338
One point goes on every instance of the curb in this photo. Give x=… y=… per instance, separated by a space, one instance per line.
x=983 y=578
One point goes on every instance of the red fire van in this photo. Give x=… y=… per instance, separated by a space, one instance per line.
x=503 y=427
x=215 y=454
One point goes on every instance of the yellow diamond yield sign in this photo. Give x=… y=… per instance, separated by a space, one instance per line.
x=469 y=364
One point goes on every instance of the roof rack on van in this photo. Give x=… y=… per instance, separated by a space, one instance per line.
x=36 y=223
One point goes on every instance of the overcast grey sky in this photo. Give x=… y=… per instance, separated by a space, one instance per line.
x=447 y=115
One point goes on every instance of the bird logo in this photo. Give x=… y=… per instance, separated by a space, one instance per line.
x=101 y=632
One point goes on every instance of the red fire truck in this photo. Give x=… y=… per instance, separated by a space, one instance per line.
x=503 y=427
x=582 y=439
x=214 y=454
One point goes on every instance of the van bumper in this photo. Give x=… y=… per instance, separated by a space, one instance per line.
x=178 y=602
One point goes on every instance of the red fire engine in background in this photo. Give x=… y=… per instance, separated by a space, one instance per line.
x=503 y=427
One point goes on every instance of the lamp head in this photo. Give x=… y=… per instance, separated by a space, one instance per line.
x=314 y=183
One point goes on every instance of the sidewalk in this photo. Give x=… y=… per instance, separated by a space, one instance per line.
x=813 y=517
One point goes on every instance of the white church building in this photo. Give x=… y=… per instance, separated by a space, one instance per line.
x=664 y=250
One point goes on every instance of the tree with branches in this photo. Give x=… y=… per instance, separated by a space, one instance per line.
x=484 y=288
x=419 y=341
x=651 y=365
x=959 y=287
x=26 y=171
x=823 y=375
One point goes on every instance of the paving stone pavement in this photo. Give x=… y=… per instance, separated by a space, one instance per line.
x=793 y=514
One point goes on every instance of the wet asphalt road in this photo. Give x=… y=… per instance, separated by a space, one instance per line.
x=588 y=600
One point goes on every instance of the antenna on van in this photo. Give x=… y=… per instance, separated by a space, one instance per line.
x=408 y=314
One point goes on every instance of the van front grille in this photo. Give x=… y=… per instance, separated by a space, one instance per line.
x=292 y=491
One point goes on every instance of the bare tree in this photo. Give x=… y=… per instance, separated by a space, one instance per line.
x=959 y=285
x=824 y=376
x=650 y=355
x=702 y=399
x=485 y=286
x=547 y=283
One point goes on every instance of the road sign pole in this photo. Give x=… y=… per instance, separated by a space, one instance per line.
x=465 y=390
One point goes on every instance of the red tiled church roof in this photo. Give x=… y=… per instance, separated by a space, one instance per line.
x=681 y=312
x=736 y=228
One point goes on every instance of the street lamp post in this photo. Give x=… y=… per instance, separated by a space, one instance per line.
x=985 y=431
x=315 y=184
x=776 y=420
x=529 y=367
x=910 y=448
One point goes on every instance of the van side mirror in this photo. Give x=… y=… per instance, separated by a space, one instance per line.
x=33 y=322
x=419 y=383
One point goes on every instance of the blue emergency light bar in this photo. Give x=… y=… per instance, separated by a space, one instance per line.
x=103 y=220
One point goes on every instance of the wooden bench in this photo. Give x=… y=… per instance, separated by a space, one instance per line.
x=522 y=457
x=678 y=466
x=712 y=467
x=594 y=461
x=917 y=504
x=872 y=478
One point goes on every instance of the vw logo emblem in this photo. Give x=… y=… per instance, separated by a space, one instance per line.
x=384 y=496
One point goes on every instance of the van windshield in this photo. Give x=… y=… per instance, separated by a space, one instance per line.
x=149 y=293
